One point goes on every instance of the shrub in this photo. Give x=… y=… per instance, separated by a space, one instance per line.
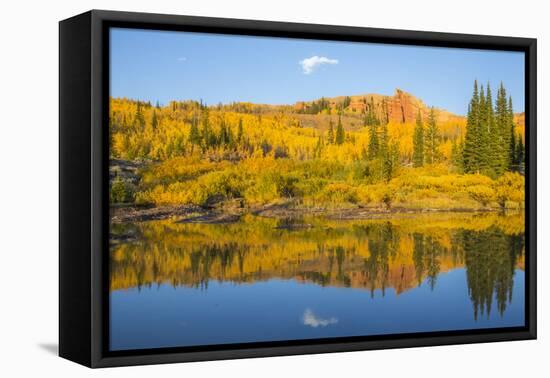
x=482 y=194
x=120 y=191
x=510 y=187
x=338 y=193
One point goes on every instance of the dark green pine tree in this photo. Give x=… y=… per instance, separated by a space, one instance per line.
x=520 y=155
x=370 y=118
x=230 y=137
x=385 y=154
x=240 y=131
x=373 y=141
x=223 y=137
x=139 y=119
x=418 y=142
x=319 y=146
x=501 y=124
x=493 y=137
x=340 y=133
x=457 y=155
x=347 y=102
x=194 y=134
x=330 y=132
x=154 y=120
x=431 y=140
x=206 y=133
x=509 y=142
x=483 y=159
x=372 y=123
x=513 y=153
x=471 y=140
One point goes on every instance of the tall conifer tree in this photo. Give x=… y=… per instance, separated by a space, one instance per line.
x=194 y=135
x=384 y=153
x=520 y=154
x=509 y=135
x=501 y=127
x=330 y=132
x=493 y=137
x=340 y=133
x=482 y=147
x=431 y=140
x=373 y=141
x=418 y=142
x=154 y=120
x=469 y=154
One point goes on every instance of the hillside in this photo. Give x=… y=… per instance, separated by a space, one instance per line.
x=402 y=107
x=364 y=152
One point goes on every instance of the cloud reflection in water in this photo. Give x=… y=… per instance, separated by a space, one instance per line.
x=310 y=319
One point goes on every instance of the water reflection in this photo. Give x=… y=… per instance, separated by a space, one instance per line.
x=312 y=320
x=371 y=255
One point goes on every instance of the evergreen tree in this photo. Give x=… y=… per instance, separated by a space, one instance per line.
x=319 y=146
x=373 y=141
x=226 y=137
x=330 y=132
x=139 y=119
x=418 y=142
x=347 y=102
x=456 y=155
x=230 y=137
x=490 y=144
x=206 y=134
x=509 y=131
x=501 y=130
x=370 y=117
x=520 y=155
x=471 y=140
x=431 y=141
x=385 y=154
x=483 y=160
x=154 y=120
x=223 y=137
x=493 y=138
x=393 y=159
x=340 y=133
x=194 y=135
x=513 y=153
x=374 y=144
x=240 y=131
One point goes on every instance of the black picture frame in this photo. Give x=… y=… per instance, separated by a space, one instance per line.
x=83 y=181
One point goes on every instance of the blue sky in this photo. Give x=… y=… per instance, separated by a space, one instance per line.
x=164 y=66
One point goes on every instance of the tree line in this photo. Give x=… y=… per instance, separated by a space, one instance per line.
x=491 y=145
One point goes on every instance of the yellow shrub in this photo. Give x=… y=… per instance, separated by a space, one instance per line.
x=338 y=193
x=482 y=194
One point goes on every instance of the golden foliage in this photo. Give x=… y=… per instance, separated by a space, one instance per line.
x=262 y=156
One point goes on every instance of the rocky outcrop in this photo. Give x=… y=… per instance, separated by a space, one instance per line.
x=126 y=170
x=401 y=107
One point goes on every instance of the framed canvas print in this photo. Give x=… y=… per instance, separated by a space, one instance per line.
x=233 y=188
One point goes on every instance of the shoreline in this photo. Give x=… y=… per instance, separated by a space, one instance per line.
x=120 y=214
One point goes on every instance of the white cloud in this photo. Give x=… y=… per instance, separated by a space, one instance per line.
x=311 y=320
x=182 y=59
x=310 y=64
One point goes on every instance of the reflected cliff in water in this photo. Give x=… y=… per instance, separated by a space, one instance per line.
x=374 y=256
